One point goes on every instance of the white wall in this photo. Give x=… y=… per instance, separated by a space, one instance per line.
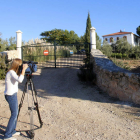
x=130 y=38
x=138 y=41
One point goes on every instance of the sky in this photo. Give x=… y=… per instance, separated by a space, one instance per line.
x=33 y=17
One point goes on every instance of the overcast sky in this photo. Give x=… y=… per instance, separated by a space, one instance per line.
x=35 y=16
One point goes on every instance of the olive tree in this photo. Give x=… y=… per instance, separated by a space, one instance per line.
x=106 y=49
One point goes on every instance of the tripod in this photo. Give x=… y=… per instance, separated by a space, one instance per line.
x=34 y=102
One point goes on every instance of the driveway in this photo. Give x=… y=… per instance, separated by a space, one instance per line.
x=73 y=110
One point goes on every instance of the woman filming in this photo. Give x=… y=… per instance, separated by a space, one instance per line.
x=13 y=76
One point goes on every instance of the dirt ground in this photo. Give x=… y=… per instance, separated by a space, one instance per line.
x=134 y=65
x=72 y=110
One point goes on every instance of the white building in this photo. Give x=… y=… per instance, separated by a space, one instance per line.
x=132 y=39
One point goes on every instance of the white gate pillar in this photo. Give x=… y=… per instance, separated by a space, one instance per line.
x=92 y=38
x=19 y=43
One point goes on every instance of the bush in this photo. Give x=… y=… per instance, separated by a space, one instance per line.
x=4 y=66
x=98 y=44
x=132 y=55
x=106 y=49
x=122 y=45
x=124 y=55
x=86 y=73
x=119 y=55
x=113 y=54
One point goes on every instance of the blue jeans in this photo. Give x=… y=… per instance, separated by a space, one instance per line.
x=13 y=105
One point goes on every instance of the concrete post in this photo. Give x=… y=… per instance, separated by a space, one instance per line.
x=92 y=38
x=19 y=43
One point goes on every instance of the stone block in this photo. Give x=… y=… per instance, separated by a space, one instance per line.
x=136 y=98
x=112 y=92
x=123 y=81
x=12 y=54
x=112 y=84
x=134 y=87
x=124 y=96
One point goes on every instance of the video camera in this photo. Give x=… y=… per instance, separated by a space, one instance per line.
x=32 y=67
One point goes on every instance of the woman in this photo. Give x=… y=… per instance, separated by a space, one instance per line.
x=13 y=76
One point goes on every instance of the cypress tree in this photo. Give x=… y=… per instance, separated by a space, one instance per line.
x=87 y=40
x=88 y=26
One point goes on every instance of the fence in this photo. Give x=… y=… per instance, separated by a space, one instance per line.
x=55 y=55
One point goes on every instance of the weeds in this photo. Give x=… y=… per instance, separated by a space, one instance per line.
x=121 y=64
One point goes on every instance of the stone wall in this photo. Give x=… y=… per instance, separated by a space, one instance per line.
x=117 y=82
x=11 y=54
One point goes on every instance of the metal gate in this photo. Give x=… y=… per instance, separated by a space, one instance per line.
x=54 y=55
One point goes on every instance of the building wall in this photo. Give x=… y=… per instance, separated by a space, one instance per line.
x=137 y=43
x=130 y=39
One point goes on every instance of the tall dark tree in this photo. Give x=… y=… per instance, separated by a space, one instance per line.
x=87 y=40
x=86 y=36
x=88 y=26
x=138 y=30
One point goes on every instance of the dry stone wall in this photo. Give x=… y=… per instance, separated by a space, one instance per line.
x=11 y=54
x=117 y=82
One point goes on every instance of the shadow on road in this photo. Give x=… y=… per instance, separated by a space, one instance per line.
x=64 y=82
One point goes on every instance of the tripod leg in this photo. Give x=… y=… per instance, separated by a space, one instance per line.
x=22 y=98
x=31 y=132
x=41 y=123
x=36 y=103
x=31 y=123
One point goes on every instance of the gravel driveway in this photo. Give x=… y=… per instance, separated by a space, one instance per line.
x=73 y=110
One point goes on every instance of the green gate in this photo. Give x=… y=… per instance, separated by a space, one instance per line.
x=55 y=55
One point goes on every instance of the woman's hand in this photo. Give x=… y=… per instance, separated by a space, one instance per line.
x=25 y=66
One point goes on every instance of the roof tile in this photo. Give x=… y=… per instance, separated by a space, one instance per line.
x=118 y=33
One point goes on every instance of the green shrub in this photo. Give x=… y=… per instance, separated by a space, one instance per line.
x=124 y=55
x=106 y=49
x=132 y=55
x=86 y=73
x=113 y=55
x=119 y=55
x=4 y=66
x=122 y=45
